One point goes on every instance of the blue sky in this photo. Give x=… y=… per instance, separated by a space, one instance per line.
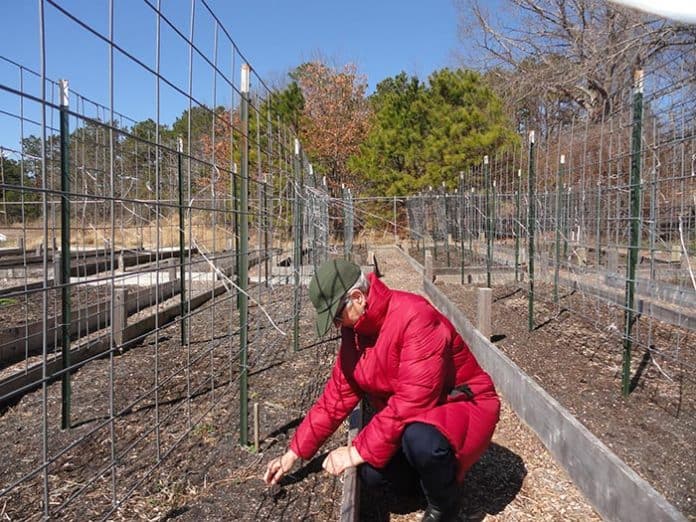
x=382 y=37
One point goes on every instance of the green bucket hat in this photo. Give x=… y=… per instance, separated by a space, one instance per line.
x=330 y=283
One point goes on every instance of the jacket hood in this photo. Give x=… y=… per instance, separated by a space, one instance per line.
x=378 y=298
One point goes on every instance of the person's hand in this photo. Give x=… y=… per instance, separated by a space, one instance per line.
x=279 y=466
x=342 y=458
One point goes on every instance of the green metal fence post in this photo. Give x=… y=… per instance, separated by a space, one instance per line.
x=65 y=251
x=472 y=220
x=351 y=222
x=566 y=220
x=396 y=232
x=235 y=228
x=182 y=242
x=266 y=227
x=518 y=227
x=531 y=225
x=297 y=255
x=433 y=216
x=559 y=211
x=420 y=240
x=346 y=219
x=314 y=218
x=634 y=229
x=489 y=238
x=462 y=210
x=494 y=218
x=447 y=220
x=244 y=259
x=598 y=230
x=653 y=204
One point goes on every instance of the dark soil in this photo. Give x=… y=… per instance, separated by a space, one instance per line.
x=576 y=357
x=446 y=257
x=191 y=424
x=28 y=308
x=178 y=452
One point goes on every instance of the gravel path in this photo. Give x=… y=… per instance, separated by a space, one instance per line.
x=517 y=479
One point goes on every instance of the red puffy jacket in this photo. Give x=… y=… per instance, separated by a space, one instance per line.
x=405 y=357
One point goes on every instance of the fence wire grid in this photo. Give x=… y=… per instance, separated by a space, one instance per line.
x=169 y=256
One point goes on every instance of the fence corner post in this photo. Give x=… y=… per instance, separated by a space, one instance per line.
x=429 y=269
x=120 y=315
x=485 y=301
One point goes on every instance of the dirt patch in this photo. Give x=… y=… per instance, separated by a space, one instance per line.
x=173 y=447
x=447 y=256
x=28 y=308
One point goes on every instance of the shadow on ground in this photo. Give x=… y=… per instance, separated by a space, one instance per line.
x=491 y=484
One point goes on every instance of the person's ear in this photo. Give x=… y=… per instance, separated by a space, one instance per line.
x=357 y=296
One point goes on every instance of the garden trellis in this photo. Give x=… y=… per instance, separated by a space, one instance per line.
x=188 y=244
x=605 y=210
x=126 y=232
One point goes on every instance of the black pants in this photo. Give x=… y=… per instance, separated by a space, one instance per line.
x=426 y=459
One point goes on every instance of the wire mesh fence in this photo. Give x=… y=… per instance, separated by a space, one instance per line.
x=598 y=217
x=144 y=255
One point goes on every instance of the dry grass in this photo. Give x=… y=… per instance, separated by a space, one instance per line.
x=198 y=231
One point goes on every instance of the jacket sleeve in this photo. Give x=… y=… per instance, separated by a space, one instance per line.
x=418 y=388
x=335 y=403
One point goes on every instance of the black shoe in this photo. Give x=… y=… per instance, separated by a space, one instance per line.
x=433 y=514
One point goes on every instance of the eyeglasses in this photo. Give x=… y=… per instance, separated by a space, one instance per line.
x=339 y=312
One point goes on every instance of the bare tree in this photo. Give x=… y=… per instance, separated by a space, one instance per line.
x=552 y=59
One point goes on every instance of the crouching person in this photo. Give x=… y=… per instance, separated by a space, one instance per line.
x=436 y=408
